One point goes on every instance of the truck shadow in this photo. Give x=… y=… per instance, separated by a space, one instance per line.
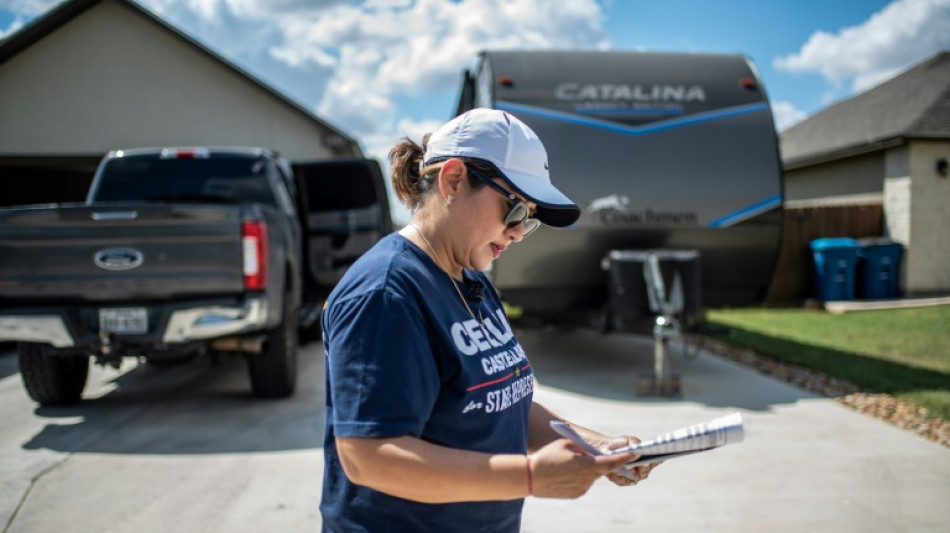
x=609 y=367
x=194 y=409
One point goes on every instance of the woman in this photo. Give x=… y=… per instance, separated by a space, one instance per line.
x=430 y=422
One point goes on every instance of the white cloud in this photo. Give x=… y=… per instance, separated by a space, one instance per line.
x=425 y=47
x=415 y=130
x=377 y=147
x=786 y=115
x=903 y=33
x=12 y=28
x=206 y=8
x=380 y=50
x=268 y=8
x=23 y=10
x=350 y=62
x=378 y=144
x=28 y=8
x=832 y=95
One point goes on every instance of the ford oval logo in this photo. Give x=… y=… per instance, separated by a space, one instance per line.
x=118 y=259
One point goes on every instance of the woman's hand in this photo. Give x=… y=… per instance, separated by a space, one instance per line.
x=640 y=472
x=541 y=435
x=562 y=470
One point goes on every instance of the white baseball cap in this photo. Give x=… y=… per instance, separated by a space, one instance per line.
x=516 y=152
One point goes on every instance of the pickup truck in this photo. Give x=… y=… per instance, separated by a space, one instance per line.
x=183 y=252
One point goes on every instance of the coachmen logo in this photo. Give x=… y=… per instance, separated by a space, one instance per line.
x=118 y=259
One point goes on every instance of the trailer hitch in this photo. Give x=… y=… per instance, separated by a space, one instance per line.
x=107 y=355
x=665 y=327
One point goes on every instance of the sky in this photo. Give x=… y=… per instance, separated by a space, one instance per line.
x=382 y=69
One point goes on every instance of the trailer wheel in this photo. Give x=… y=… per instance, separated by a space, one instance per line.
x=273 y=371
x=52 y=379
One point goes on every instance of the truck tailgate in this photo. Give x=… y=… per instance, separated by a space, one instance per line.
x=114 y=252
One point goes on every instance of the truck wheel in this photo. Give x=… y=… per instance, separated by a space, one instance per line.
x=52 y=379
x=273 y=372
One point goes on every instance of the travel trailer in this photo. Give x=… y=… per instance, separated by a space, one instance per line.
x=662 y=151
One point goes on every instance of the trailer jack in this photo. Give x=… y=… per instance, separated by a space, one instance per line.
x=661 y=383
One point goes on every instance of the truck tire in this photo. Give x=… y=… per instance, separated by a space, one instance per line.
x=273 y=371
x=52 y=379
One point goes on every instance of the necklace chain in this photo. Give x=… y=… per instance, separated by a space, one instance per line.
x=452 y=279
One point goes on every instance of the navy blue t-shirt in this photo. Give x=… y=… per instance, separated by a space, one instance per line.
x=405 y=357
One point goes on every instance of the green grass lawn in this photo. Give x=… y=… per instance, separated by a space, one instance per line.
x=903 y=352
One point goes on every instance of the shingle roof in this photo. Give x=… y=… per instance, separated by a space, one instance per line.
x=52 y=20
x=914 y=104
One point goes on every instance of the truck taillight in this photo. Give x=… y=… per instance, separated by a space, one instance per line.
x=254 y=239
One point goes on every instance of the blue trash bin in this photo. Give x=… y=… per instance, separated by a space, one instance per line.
x=878 y=268
x=835 y=263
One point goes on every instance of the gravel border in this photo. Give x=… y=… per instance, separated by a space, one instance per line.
x=900 y=413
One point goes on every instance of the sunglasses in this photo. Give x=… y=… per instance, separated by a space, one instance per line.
x=518 y=211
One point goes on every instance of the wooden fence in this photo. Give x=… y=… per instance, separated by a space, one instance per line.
x=792 y=279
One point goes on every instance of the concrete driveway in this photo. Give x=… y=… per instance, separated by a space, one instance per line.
x=188 y=449
x=807 y=463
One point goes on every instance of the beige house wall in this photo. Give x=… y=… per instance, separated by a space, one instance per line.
x=928 y=256
x=897 y=194
x=110 y=78
x=852 y=176
x=916 y=204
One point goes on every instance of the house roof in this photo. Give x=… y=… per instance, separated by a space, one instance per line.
x=914 y=104
x=55 y=18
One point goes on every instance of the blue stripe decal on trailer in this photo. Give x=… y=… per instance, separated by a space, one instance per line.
x=633 y=130
x=630 y=112
x=747 y=212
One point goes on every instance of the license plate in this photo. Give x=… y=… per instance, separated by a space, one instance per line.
x=129 y=320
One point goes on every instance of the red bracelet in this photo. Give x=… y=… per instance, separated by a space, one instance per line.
x=530 y=480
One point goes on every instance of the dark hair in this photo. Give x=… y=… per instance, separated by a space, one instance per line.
x=413 y=184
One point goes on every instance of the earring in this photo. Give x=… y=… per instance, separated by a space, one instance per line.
x=448 y=200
